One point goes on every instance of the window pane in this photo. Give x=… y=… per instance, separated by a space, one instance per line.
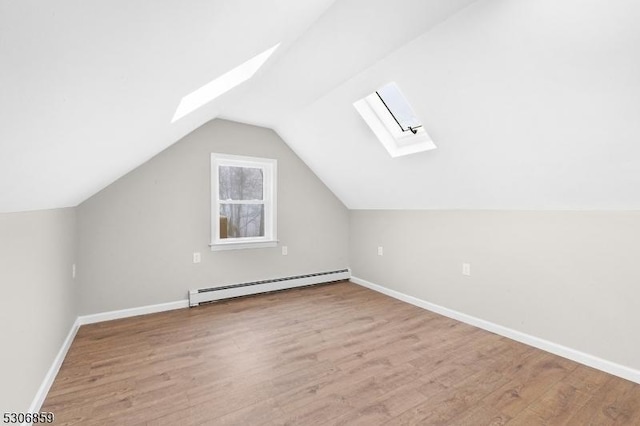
x=240 y=183
x=398 y=106
x=241 y=220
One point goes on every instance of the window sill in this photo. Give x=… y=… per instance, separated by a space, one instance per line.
x=243 y=245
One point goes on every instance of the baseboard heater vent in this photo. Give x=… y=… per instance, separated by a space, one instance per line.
x=204 y=295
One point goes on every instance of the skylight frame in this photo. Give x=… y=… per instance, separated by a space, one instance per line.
x=221 y=84
x=387 y=129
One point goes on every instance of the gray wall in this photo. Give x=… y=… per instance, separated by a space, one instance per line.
x=137 y=236
x=569 y=277
x=37 y=299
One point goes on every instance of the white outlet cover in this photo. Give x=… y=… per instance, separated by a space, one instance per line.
x=197 y=257
x=466 y=269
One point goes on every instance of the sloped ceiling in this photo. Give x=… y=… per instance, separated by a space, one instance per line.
x=533 y=104
x=88 y=88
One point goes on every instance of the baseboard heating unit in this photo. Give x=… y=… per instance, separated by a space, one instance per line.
x=204 y=295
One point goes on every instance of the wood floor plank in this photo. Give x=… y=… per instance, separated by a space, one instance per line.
x=530 y=383
x=335 y=354
x=617 y=402
x=442 y=408
x=482 y=414
x=554 y=407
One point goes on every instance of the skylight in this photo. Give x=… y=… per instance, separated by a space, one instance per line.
x=398 y=107
x=391 y=118
x=222 y=84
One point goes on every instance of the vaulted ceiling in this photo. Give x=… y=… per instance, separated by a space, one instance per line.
x=533 y=104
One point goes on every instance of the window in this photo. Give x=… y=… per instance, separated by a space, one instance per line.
x=393 y=121
x=399 y=108
x=243 y=202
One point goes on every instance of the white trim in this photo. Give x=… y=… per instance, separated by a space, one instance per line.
x=132 y=312
x=41 y=395
x=269 y=200
x=555 y=348
x=243 y=245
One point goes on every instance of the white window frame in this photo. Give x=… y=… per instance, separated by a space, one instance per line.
x=269 y=168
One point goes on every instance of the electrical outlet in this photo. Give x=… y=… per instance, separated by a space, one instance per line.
x=73 y=271
x=197 y=258
x=466 y=269
x=380 y=251
x=285 y=250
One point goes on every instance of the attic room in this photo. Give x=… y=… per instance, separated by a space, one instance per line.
x=320 y=212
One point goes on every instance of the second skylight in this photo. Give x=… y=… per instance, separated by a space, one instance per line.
x=221 y=84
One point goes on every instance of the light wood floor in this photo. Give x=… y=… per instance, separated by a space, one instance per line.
x=324 y=355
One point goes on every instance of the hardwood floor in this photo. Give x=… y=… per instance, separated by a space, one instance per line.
x=336 y=354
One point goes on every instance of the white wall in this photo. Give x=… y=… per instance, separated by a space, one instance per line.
x=567 y=277
x=533 y=104
x=37 y=299
x=137 y=236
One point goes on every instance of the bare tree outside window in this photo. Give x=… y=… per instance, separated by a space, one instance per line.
x=244 y=202
x=241 y=195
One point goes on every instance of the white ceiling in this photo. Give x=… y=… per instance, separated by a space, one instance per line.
x=88 y=88
x=533 y=104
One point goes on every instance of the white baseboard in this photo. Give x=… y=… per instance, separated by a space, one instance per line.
x=90 y=319
x=53 y=370
x=557 y=349
x=132 y=312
